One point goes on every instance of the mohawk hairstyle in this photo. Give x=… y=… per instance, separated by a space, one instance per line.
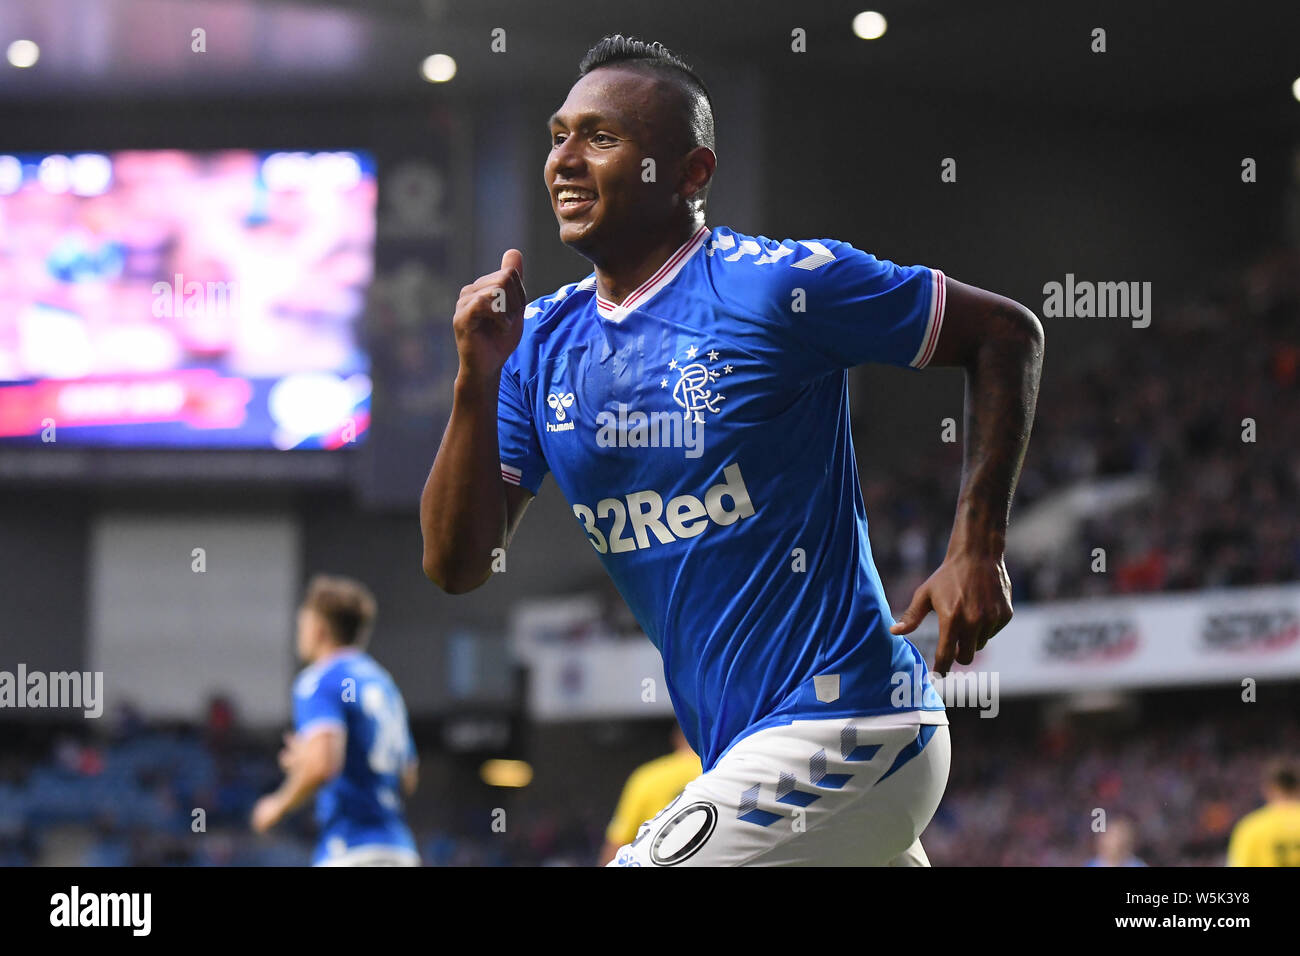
x=655 y=58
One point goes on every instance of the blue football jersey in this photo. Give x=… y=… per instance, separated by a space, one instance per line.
x=700 y=430
x=362 y=806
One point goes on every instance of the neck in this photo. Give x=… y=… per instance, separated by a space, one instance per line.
x=331 y=650
x=619 y=276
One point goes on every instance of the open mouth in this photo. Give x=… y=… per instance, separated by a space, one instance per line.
x=571 y=201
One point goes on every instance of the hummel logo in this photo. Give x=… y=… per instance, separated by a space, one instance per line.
x=559 y=402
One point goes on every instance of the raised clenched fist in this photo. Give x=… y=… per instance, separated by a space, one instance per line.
x=490 y=317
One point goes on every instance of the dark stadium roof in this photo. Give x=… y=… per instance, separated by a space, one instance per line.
x=1161 y=56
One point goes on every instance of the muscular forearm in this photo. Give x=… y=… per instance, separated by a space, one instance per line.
x=1000 y=345
x=463 y=508
x=1001 y=393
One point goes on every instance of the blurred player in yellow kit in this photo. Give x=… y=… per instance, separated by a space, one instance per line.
x=1271 y=835
x=650 y=788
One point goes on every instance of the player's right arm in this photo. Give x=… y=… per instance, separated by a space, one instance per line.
x=310 y=762
x=467 y=510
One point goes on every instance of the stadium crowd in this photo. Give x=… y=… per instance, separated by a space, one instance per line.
x=1171 y=408
x=1183 y=777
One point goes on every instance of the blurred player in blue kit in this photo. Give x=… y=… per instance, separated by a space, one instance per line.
x=745 y=555
x=351 y=748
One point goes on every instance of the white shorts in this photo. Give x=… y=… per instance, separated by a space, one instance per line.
x=839 y=792
x=373 y=856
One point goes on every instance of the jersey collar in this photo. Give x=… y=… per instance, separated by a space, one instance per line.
x=661 y=277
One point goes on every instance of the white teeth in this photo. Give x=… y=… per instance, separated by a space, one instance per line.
x=565 y=195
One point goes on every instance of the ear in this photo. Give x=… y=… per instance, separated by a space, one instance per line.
x=701 y=163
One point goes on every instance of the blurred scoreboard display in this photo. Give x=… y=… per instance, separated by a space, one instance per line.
x=185 y=300
x=234 y=315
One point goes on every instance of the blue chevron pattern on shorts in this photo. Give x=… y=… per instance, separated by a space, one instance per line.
x=849 y=748
x=818 y=776
x=787 y=792
x=749 y=811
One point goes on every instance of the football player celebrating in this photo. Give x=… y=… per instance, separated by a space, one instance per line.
x=745 y=558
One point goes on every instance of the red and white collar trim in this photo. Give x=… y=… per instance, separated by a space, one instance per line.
x=662 y=276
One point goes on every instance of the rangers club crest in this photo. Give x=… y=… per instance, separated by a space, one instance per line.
x=694 y=388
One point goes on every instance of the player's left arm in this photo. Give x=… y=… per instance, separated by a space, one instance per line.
x=309 y=763
x=999 y=343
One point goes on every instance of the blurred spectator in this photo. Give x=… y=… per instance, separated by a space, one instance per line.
x=1115 y=845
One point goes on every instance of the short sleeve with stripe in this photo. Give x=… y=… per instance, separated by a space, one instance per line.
x=522 y=461
x=318 y=703
x=844 y=307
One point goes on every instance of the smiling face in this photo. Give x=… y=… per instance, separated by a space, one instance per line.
x=613 y=119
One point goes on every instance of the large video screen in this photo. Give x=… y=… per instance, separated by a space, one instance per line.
x=161 y=299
